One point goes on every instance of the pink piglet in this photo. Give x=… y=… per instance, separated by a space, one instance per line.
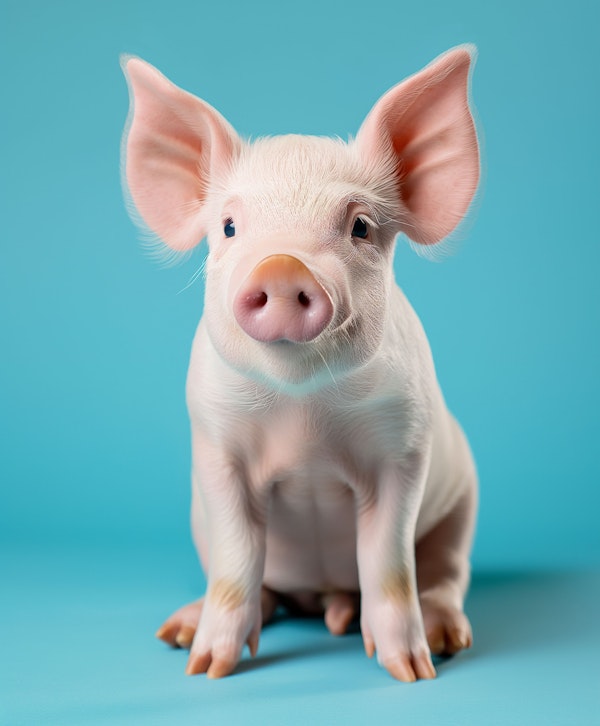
x=328 y=474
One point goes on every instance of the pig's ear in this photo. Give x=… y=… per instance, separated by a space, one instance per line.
x=172 y=145
x=426 y=125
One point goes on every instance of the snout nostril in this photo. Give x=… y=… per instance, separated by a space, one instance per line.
x=303 y=299
x=257 y=300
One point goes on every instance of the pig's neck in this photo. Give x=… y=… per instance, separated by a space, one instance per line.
x=401 y=372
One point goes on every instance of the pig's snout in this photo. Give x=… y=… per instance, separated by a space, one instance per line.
x=281 y=300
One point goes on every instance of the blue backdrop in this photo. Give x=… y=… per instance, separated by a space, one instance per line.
x=95 y=337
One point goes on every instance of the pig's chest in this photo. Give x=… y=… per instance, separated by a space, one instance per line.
x=313 y=462
x=311 y=535
x=311 y=451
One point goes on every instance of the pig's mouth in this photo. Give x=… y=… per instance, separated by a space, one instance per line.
x=292 y=368
x=301 y=368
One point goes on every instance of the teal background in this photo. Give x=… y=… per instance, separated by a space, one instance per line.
x=94 y=452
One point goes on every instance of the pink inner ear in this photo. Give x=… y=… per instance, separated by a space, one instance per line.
x=428 y=123
x=173 y=143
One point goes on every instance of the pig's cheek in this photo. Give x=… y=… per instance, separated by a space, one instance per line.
x=217 y=311
x=370 y=287
x=363 y=333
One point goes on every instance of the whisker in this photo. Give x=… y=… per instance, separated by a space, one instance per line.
x=335 y=383
x=200 y=272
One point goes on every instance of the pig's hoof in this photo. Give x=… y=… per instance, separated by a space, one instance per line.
x=340 y=610
x=213 y=667
x=179 y=629
x=396 y=634
x=447 y=629
x=410 y=668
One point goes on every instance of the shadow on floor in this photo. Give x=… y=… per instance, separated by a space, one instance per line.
x=525 y=611
x=510 y=612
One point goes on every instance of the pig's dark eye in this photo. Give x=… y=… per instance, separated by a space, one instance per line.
x=229 y=228
x=360 y=229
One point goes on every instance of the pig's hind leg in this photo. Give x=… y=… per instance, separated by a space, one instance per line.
x=341 y=608
x=338 y=607
x=179 y=629
x=443 y=573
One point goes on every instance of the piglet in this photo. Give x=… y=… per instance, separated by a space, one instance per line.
x=328 y=475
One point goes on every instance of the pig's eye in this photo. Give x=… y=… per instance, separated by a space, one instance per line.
x=360 y=229
x=229 y=228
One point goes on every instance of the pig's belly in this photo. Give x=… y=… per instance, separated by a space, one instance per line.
x=311 y=538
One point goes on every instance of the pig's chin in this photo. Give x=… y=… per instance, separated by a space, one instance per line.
x=301 y=369
x=294 y=369
x=297 y=368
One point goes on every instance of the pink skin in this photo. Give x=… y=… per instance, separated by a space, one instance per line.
x=328 y=474
x=282 y=300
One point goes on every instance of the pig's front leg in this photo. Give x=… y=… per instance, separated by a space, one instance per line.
x=391 y=620
x=235 y=518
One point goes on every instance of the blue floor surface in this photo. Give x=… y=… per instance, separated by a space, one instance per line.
x=77 y=648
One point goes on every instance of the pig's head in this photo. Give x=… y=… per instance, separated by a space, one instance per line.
x=301 y=229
